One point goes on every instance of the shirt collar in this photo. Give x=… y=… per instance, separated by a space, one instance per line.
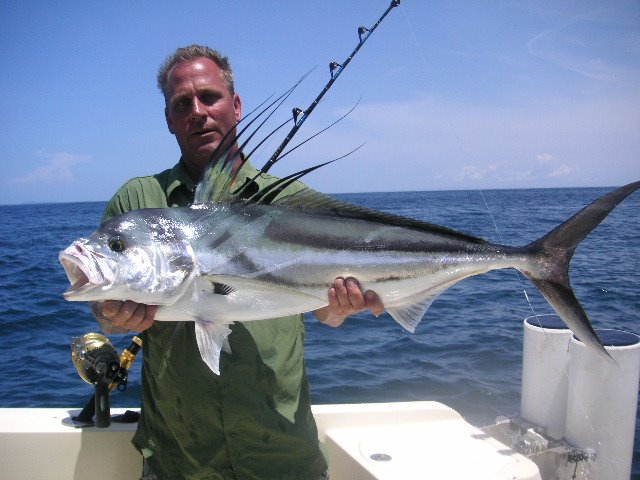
x=178 y=176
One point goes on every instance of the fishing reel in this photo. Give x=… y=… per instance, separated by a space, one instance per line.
x=98 y=363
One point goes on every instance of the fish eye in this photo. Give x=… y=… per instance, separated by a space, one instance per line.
x=117 y=244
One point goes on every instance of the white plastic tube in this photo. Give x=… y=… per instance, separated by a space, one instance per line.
x=545 y=357
x=602 y=401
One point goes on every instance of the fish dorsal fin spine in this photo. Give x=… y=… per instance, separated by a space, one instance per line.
x=227 y=159
x=221 y=180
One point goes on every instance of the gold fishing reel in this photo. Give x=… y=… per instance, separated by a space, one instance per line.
x=94 y=356
x=98 y=363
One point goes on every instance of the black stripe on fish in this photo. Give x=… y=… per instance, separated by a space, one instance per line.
x=220 y=240
x=297 y=235
x=245 y=264
x=274 y=278
x=322 y=204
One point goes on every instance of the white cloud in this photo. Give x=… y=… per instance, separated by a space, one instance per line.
x=554 y=168
x=545 y=158
x=470 y=172
x=561 y=171
x=56 y=168
x=451 y=145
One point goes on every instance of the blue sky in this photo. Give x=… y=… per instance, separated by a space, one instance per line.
x=453 y=95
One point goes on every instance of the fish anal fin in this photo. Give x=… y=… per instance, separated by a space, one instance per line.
x=410 y=312
x=212 y=340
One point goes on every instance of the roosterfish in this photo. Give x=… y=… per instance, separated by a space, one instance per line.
x=237 y=254
x=217 y=262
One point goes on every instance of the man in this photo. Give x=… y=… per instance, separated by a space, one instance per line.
x=253 y=421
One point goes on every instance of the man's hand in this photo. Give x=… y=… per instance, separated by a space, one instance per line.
x=346 y=298
x=115 y=316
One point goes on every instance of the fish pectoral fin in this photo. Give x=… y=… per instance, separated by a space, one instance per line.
x=410 y=312
x=212 y=339
x=228 y=284
x=221 y=288
x=241 y=299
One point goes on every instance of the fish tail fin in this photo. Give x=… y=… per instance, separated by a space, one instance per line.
x=554 y=252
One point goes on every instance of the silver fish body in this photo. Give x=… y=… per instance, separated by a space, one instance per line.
x=219 y=263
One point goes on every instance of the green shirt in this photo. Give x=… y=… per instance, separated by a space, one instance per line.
x=254 y=421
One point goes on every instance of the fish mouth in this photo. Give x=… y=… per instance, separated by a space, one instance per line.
x=86 y=271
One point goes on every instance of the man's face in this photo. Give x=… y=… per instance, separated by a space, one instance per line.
x=200 y=110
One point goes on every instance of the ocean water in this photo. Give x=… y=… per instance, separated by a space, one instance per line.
x=465 y=353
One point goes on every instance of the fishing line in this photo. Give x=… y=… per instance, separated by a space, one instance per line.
x=488 y=209
x=463 y=153
x=465 y=157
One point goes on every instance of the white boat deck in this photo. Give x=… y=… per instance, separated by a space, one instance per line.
x=411 y=440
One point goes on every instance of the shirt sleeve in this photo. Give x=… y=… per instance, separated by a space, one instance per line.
x=137 y=193
x=118 y=205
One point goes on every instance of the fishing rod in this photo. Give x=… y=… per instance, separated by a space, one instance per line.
x=335 y=69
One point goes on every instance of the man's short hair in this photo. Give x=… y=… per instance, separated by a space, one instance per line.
x=192 y=52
